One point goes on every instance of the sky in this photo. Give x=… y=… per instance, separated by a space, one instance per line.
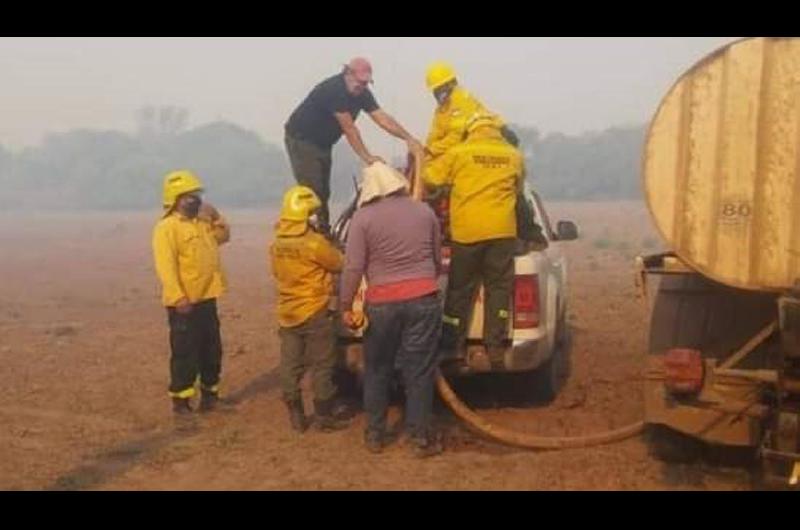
x=564 y=84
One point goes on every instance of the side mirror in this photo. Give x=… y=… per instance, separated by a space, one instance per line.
x=566 y=231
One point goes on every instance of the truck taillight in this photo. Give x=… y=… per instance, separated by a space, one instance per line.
x=526 y=301
x=683 y=371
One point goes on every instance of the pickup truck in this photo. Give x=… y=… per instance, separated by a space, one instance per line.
x=537 y=332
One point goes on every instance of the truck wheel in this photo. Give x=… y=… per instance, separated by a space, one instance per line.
x=564 y=344
x=545 y=382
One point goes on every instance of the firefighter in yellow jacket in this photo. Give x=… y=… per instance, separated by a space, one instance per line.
x=303 y=264
x=484 y=174
x=186 y=250
x=455 y=107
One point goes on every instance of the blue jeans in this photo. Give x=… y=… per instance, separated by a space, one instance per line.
x=406 y=332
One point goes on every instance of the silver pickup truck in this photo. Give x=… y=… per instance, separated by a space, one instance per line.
x=537 y=331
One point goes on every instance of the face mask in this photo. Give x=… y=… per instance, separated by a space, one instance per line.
x=191 y=207
x=441 y=95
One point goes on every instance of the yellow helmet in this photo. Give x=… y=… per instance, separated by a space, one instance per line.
x=299 y=203
x=439 y=73
x=176 y=184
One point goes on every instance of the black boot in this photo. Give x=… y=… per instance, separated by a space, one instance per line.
x=181 y=406
x=326 y=422
x=374 y=441
x=182 y=414
x=343 y=410
x=297 y=415
x=210 y=401
x=426 y=446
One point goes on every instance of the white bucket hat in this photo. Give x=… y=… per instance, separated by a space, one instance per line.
x=379 y=180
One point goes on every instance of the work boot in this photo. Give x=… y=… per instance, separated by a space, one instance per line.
x=181 y=406
x=210 y=401
x=297 y=415
x=325 y=421
x=374 y=442
x=426 y=447
x=342 y=410
x=182 y=414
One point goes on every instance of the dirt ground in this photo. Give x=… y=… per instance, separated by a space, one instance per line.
x=83 y=346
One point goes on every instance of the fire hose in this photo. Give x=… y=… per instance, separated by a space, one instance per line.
x=525 y=439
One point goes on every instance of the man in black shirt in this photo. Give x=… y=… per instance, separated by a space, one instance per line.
x=329 y=111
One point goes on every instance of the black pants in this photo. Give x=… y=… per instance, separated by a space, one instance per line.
x=196 y=349
x=487 y=262
x=311 y=166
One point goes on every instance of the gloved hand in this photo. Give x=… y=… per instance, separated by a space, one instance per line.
x=183 y=306
x=207 y=211
x=353 y=319
x=415 y=147
x=372 y=159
